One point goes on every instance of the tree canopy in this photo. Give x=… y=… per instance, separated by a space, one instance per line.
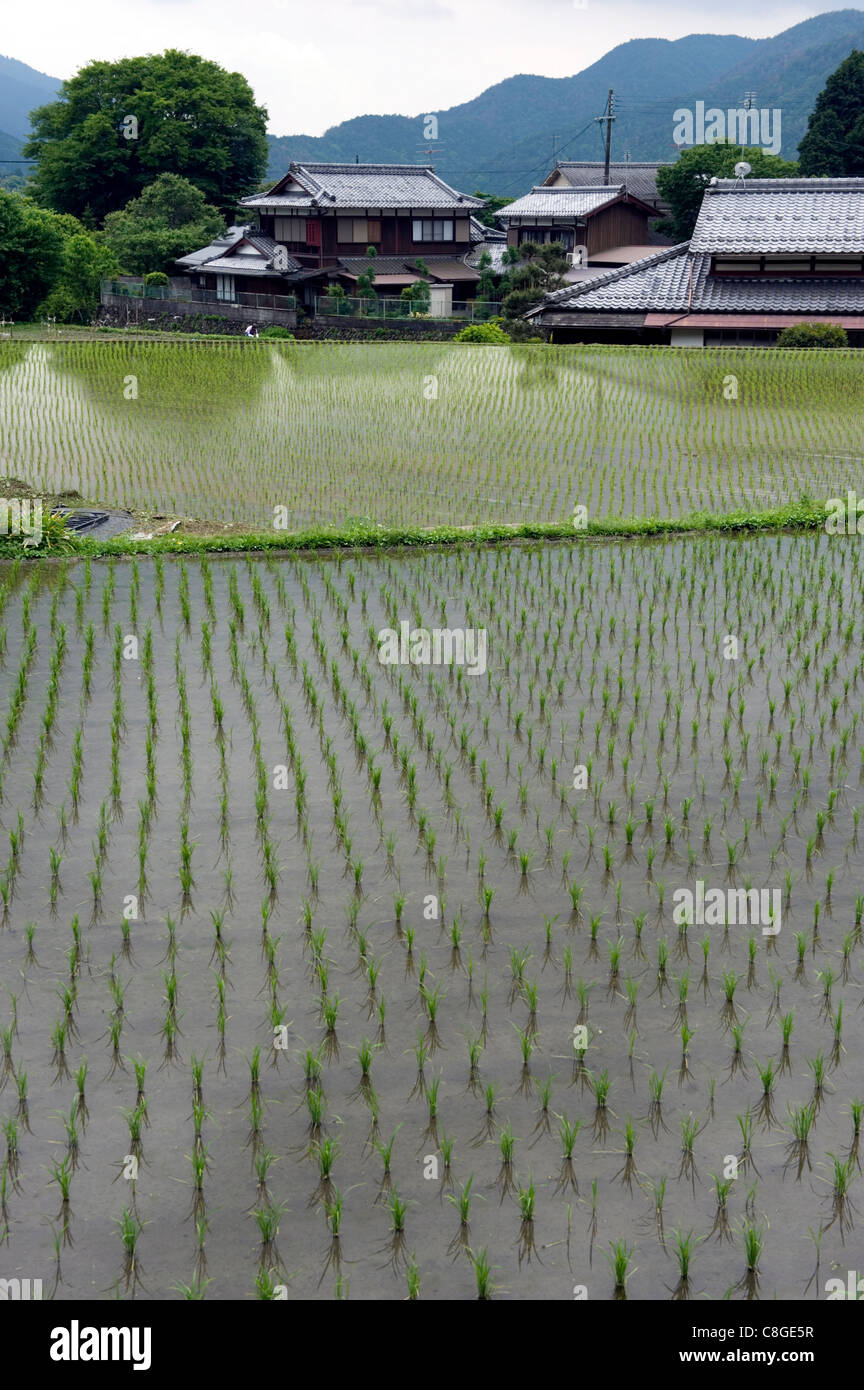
x=682 y=184
x=31 y=255
x=833 y=146
x=170 y=219
x=119 y=125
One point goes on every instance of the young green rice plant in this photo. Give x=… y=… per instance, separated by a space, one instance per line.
x=61 y=1174
x=690 y=1131
x=737 y=1062
x=543 y=1122
x=326 y=1154
x=526 y=1047
x=600 y=1087
x=333 y=1216
x=130 y=1226
x=841 y=1205
x=745 y=1125
x=431 y=1131
x=483 y=1280
x=330 y=1014
x=856 y=1110
x=801 y=1120
x=683 y=1247
x=753 y=1247
x=59 y=1037
x=396 y=1248
x=198 y=1161
x=820 y=1080
x=837 y=1047
x=365 y=1056
x=527 y=1202
x=787 y=1023
x=461 y=1242
x=506 y=1179
x=264 y=1161
x=255 y=1135
x=619 y=1263
x=765 y=1107
x=629 y=1171
x=268 y=1220
x=728 y=1014
x=432 y=1001
x=655 y=1105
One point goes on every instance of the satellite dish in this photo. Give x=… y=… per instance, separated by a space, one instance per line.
x=742 y=169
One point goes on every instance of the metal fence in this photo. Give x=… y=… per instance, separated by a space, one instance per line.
x=136 y=289
x=471 y=310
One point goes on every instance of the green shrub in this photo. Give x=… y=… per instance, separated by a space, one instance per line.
x=276 y=330
x=156 y=277
x=809 y=335
x=482 y=333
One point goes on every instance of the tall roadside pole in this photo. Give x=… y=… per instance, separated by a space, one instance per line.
x=608 y=118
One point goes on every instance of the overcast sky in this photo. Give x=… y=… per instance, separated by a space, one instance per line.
x=314 y=63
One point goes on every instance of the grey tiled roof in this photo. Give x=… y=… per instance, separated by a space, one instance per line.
x=237 y=265
x=218 y=247
x=657 y=283
x=367 y=185
x=798 y=216
x=480 y=232
x=563 y=202
x=495 y=249
x=226 y=257
x=640 y=178
x=662 y=284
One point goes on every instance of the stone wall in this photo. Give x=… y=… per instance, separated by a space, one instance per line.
x=337 y=328
x=120 y=311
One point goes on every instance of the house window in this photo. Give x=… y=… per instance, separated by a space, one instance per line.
x=433 y=229
x=291 y=230
x=543 y=236
x=225 y=287
x=358 y=231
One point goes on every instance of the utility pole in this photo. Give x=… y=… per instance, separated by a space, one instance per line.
x=608 y=118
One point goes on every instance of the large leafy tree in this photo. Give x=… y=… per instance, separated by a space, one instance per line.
x=32 y=248
x=188 y=116
x=683 y=183
x=74 y=296
x=834 y=144
x=170 y=219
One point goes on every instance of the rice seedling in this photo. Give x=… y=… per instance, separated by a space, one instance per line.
x=619 y=1263
x=526 y=1242
x=753 y=1246
x=801 y=1119
x=690 y=1131
x=600 y=1087
x=130 y=1227
x=683 y=1247
x=506 y=1180
x=326 y=1153
x=655 y=1107
x=842 y=1209
x=482 y=1274
x=396 y=1248
x=765 y=1106
x=268 y=1219
x=461 y=1242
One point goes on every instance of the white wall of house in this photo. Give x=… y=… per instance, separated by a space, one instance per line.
x=687 y=337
